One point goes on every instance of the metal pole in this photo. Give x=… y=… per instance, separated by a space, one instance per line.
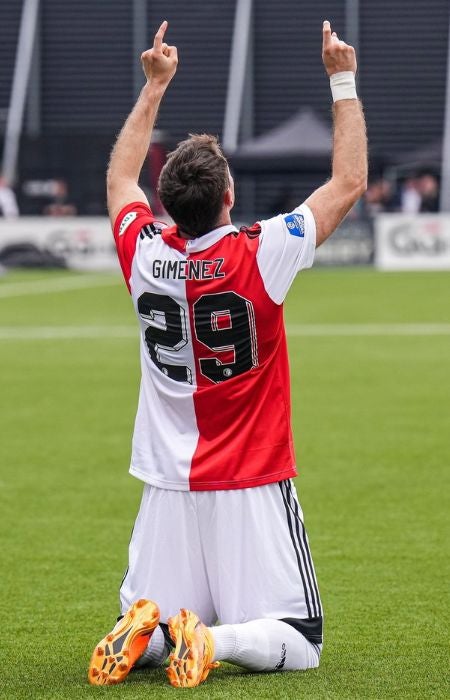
x=236 y=75
x=248 y=182
x=34 y=88
x=139 y=43
x=24 y=54
x=248 y=96
x=352 y=26
x=445 y=173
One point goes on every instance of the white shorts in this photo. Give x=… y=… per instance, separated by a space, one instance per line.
x=231 y=556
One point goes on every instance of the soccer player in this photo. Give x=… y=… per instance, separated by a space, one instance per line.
x=219 y=535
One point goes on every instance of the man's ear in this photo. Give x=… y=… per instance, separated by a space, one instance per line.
x=228 y=198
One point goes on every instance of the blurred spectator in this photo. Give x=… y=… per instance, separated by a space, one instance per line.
x=428 y=186
x=410 y=197
x=418 y=193
x=8 y=202
x=377 y=198
x=60 y=206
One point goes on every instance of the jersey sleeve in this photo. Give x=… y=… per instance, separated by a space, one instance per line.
x=287 y=245
x=129 y=223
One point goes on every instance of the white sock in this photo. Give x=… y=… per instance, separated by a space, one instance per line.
x=157 y=651
x=264 y=645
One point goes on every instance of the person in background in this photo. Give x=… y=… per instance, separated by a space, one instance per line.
x=428 y=185
x=8 y=202
x=60 y=206
x=377 y=198
x=410 y=199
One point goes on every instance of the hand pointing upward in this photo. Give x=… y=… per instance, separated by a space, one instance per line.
x=160 y=62
x=337 y=56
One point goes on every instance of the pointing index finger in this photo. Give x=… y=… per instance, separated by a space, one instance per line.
x=326 y=33
x=159 y=36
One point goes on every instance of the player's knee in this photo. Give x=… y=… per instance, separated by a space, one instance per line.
x=305 y=643
x=316 y=651
x=307 y=658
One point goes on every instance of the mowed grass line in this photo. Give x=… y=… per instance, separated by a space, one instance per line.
x=371 y=426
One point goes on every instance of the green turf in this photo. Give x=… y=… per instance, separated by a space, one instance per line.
x=372 y=428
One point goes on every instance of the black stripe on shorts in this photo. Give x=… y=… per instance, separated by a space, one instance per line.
x=294 y=501
x=301 y=548
x=311 y=629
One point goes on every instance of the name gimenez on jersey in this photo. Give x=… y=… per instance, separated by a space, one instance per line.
x=215 y=371
x=188 y=269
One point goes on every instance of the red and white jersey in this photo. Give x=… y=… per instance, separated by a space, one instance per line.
x=214 y=406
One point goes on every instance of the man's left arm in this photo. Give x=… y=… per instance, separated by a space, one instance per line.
x=128 y=155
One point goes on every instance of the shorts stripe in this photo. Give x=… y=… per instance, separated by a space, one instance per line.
x=296 y=546
x=293 y=504
x=306 y=548
x=300 y=542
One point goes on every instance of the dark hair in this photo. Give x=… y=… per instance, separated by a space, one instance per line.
x=193 y=182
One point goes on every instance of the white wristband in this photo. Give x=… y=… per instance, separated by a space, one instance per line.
x=343 y=86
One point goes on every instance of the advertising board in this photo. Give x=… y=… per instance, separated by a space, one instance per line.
x=401 y=242
x=81 y=243
x=351 y=244
x=419 y=242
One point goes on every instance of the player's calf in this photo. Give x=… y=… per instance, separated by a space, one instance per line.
x=265 y=645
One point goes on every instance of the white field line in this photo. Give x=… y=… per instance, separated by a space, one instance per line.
x=355 y=329
x=318 y=330
x=67 y=332
x=59 y=284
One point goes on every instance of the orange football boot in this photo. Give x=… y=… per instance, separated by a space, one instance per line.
x=115 y=655
x=190 y=662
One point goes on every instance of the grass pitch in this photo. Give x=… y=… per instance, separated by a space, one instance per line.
x=370 y=379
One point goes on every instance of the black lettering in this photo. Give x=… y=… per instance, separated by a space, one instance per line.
x=172 y=268
x=172 y=337
x=194 y=270
x=217 y=272
x=156 y=268
x=224 y=322
x=206 y=274
x=182 y=270
x=239 y=335
x=188 y=269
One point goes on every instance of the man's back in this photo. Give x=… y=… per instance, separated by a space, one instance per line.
x=215 y=377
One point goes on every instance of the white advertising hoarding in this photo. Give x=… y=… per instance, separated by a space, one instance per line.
x=351 y=244
x=402 y=242
x=412 y=242
x=85 y=243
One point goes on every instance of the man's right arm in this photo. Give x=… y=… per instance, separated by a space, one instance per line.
x=128 y=155
x=331 y=202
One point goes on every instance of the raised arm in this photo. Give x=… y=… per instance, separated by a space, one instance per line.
x=128 y=155
x=331 y=202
